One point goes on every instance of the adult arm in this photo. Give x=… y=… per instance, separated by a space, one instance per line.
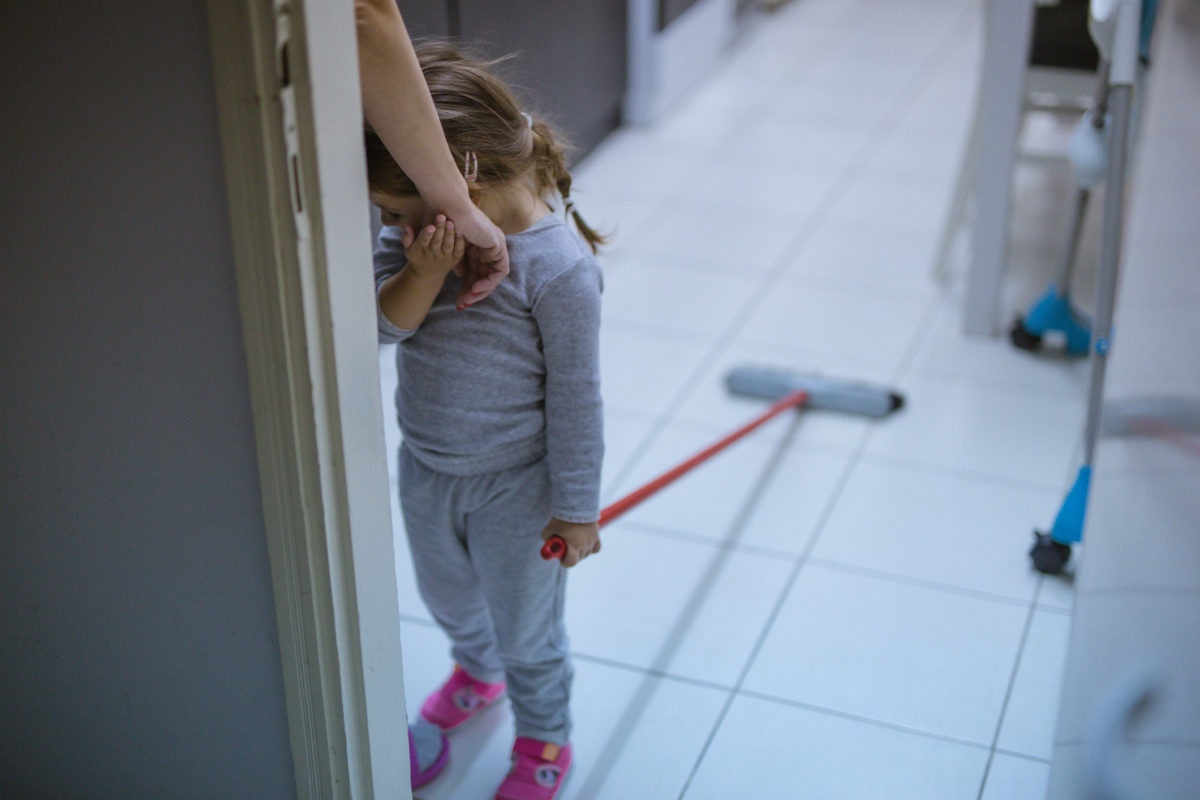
x=397 y=104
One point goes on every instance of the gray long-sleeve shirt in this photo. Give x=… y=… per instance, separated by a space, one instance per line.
x=513 y=378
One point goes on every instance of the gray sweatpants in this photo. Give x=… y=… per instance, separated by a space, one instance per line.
x=474 y=543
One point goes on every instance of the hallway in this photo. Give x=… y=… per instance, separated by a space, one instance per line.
x=835 y=607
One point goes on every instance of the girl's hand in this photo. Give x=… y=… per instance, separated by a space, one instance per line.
x=582 y=538
x=436 y=250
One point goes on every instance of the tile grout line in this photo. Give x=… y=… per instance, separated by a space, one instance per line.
x=661 y=675
x=919 y=583
x=875 y=723
x=975 y=476
x=1000 y=751
x=1012 y=682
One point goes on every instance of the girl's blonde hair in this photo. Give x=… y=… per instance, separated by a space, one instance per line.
x=480 y=115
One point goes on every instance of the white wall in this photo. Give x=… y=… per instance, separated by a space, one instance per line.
x=137 y=624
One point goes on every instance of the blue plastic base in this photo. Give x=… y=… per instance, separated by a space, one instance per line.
x=1053 y=312
x=1068 y=525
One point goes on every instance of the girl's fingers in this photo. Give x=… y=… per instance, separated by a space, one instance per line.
x=438 y=235
x=426 y=236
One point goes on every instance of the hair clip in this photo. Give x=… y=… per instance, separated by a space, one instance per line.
x=528 y=119
x=470 y=167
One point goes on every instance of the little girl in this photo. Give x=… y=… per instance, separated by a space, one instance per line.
x=500 y=414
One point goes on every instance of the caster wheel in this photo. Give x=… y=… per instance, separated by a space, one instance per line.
x=1022 y=338
x=1049 y=557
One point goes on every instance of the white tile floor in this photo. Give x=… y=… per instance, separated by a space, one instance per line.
x=836 y=607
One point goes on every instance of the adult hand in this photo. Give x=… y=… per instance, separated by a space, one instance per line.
x=486 y=263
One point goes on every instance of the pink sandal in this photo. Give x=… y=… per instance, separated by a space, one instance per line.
x=538 y=770
x=459 y=699
x=419 y=777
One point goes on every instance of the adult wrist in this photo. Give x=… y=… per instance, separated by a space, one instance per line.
x=455 y=200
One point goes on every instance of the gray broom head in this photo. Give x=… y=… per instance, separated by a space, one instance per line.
x=850 y=397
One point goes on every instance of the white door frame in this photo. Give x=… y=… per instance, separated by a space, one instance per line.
x=291 y=128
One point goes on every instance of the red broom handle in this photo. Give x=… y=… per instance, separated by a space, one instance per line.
x=556 y=546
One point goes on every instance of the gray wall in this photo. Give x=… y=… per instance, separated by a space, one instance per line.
x=671 y=10
x=139 y=654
